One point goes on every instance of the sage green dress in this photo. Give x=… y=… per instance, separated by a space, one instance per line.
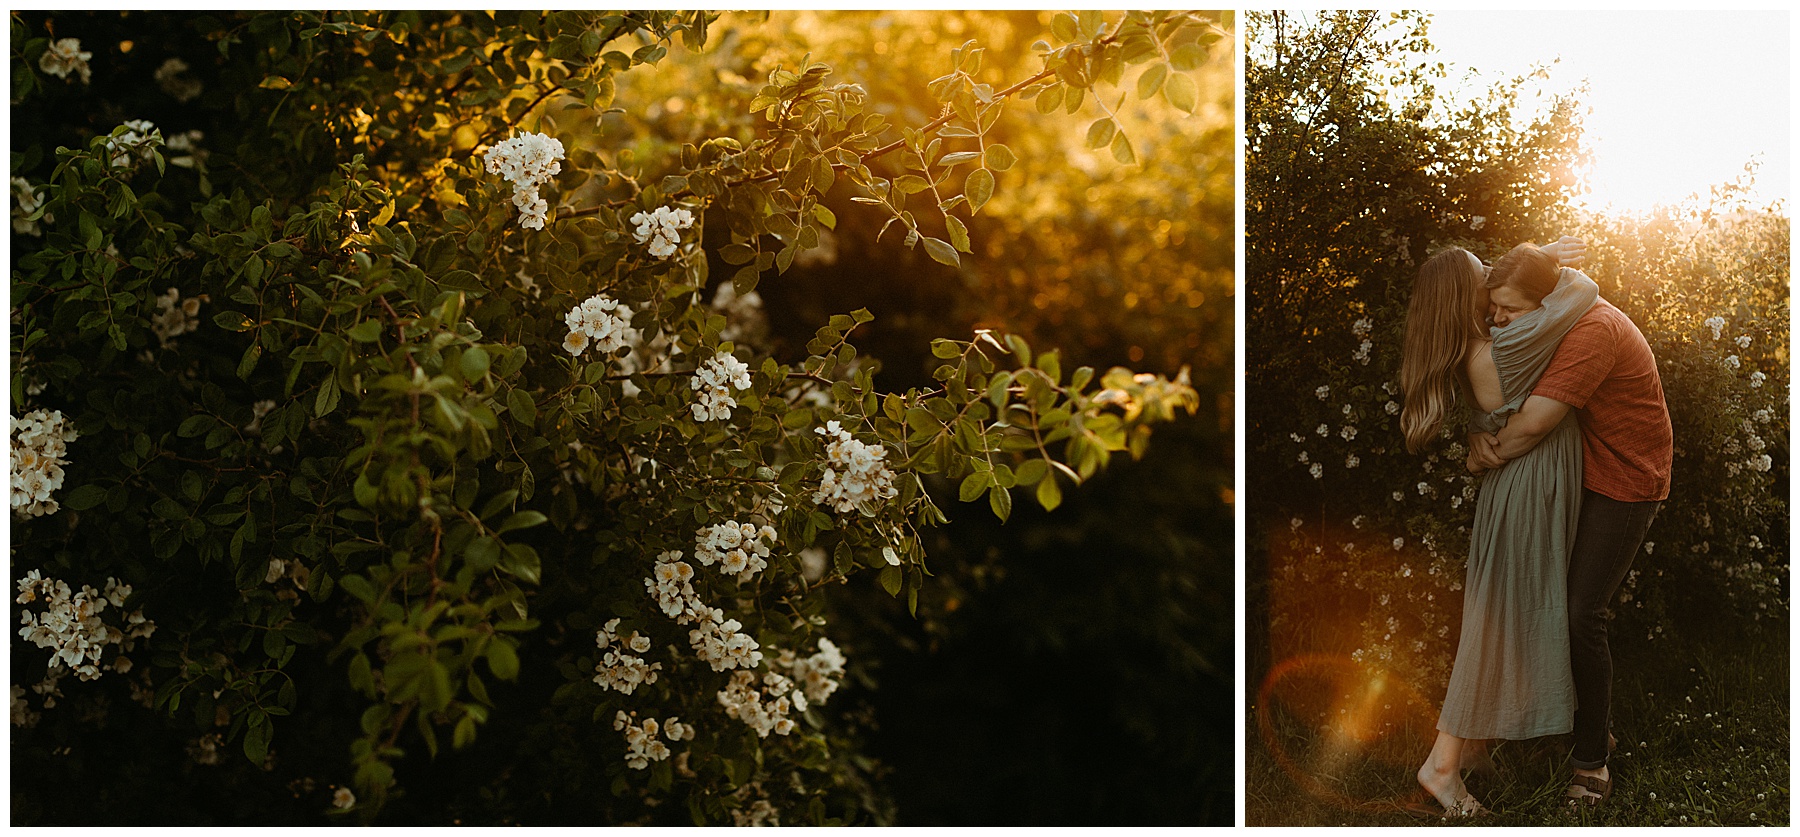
x=1512 y=678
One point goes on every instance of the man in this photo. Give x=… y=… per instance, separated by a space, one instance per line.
x=1605 y=372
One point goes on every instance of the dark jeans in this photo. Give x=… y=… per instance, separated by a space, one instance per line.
x=1606 y=539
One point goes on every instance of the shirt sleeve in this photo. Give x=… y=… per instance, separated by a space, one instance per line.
x=1580 y=364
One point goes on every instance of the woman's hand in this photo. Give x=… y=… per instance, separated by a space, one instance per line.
x=1568 y=251
x=1482 y=457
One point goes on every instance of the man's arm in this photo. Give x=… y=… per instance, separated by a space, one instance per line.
x=1533 y=422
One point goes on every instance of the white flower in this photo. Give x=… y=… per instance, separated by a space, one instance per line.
x=26 y=201
x=855 y=475
x=715 y=380
x=1399 y=543
x=170 y=78
x=1715 y=325
x=1361 y=355
x=1760 y=463
x=64 y=56
x=1323 y=430
x=764 y=710
x=527 y=161
x=1424 y=487
x=137 y=144
x=1348 y=433
x=1294 y=524
x=661 y=229
x=599 y=322
x=1732 y=361
x=1361 y=327
x=1477 y=222
x=617 y=669
x=1392 y=408
x=1323 y=392
x=1352 y=461
x=1346 y=409
x=815 y=673
x=1303 y=457
x=1761 y=416
x=343 y=798
x=175 y=316
x=39 y=441
x=1398 y=496
x=1756 y=380
x=744 y=317
x=740 y=549
x=1317 y=471
x=720 y=643
x=640 y=739
x=812 y=563
x=1743 y=341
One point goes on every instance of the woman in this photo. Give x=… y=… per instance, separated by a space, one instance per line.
x=1511 y=679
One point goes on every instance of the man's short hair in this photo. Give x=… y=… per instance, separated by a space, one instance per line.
x=1528 y=269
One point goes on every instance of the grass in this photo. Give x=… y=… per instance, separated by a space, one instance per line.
x=1702 y=724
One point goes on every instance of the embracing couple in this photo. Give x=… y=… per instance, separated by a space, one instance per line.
x=1569 y=426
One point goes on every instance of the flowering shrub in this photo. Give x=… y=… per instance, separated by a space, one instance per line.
x=380 y=473
x=1363 y=544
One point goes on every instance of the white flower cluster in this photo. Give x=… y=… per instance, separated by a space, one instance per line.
x=744 y=317
x=343 y=799
x=1757 y=378
x=1716 y=325
x=22 y=716
x=865 y=480
x=176 y=316
x=740 y=548
x=71 y=627
x=641 y=738
x=671 y=584
x=137 y=145
x=1361 y=355
x=765 y=710
x=621 y=670
x=1743 y=341
x=527 y=161
x=1323 y=392
x=26 y=202
x=1733 y=362
x=715 y=380
x=171 y=78
x=65 y=56
x=661 y=229
x=815 y=673
x=721 y=643
x=599 y=322
x=186 y=150
x=39 y=440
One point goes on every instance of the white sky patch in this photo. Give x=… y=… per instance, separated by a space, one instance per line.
x=1680 y=101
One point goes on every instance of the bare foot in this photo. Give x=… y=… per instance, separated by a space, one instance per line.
x=1449 y=791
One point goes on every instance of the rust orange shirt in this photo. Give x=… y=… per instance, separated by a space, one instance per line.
x=1604 y=369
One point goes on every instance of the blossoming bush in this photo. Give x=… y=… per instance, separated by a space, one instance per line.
x=1357 y=173
x=403 y=393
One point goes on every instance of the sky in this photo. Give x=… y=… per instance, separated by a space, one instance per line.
x=1680 y=100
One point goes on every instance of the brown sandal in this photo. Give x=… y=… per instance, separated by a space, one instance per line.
x=1600 y=786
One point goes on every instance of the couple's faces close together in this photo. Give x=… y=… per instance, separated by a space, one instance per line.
x=1505 y=303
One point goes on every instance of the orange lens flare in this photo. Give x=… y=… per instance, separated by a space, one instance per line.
x=1324 y=718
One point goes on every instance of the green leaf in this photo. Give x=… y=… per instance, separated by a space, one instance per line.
x=367 y=331
x=1030 y=471
x=1051 y=99
x=359 y=587
x=232 y=321
x=520 y=520
x=256 y=740
x=1000 y=500
x=1182 y=92
x=1121 y=149
x=1101 y=132
x=1049 y=494
x=979 y=188
x=890 y=580
x=327 y=399
x=523 y=408
x=84 y=498
x=474 y=363
x=1187 y=57
x=959 y=234
x=523 y=561
x=503 y=661
x=275 y=83
x=941 y=251
x=974 y=484
x=1000 y=157
x=1152 y=80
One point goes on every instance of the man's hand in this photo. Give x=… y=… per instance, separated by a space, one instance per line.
x=1568 y=251
x=1482 y=454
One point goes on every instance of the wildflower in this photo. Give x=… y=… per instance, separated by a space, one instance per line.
x=1715 y=325
x=1304 y=458
x=640 y=739
x=1733 y=362
x=175 y=316
x=599 y=322
x=670 y=583
x=661 y=229
x=39 y=440
x=1399 y=543
x=1392 y=408
x=1761 y=416
x=1756 y=380
x=741 y=549
x=1323 y=430
x=715 y=380
x=1361 y=355
x=764 y=710
x=527 y=161
x=26 y=202
x=171 y=78
x=1317 y=471
x=1323 y=392
x=343 y=798
x=1477 y=222
x=815 y=673
x=64 y=56
x=1348 y=433
x=744 y=317
x=1743 y=341
x=619 y=670
x=855 y=475
x=1760 y=463
x=1424 y=488
x=136 y=144
x=720 y=642
x=1298 y=439
x=1352 y=461
x=1361 y=327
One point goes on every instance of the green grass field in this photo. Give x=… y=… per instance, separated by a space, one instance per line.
x=1702 y=724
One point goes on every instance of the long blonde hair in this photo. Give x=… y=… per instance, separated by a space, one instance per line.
x=1444 y=314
